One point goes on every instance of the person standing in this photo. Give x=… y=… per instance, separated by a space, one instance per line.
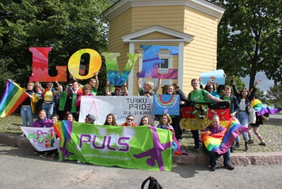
x=244 y=100
x=199 y=95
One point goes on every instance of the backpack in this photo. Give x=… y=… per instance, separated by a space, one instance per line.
x=153 y=183
x=203 y=94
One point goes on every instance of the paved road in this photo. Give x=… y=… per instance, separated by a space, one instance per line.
x=21 y=169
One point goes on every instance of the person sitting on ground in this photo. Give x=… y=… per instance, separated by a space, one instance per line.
x=90 y=119
x=214 y=128
x=145 y=120
x=129 y=121
x=111 y=120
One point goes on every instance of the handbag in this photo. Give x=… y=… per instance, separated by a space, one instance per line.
x=252 y=115
x=153 y=184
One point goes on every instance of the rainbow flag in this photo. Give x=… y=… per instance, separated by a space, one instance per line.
x=222 y=141
x=63 y=129
x=263 y=108
x=13 y=96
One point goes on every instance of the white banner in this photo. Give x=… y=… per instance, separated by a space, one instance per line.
x=120 y=106
x=42 y=139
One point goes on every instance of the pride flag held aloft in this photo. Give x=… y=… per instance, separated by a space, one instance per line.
x=13 y=96
x=263 y=108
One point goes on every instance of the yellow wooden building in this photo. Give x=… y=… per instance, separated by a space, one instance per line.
x=191 y=25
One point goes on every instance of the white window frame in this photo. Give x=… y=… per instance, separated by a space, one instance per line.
x=165 y=54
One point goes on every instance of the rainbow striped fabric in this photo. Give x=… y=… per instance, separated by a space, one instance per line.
x=222 y=141
x=263 y=108
x=13 y=96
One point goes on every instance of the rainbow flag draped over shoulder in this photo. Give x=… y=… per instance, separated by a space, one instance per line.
x=222 y=141
x=263 y=108
x=13 y=96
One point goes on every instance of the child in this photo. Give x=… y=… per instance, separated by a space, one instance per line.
x=111 y=120
x=214 y=128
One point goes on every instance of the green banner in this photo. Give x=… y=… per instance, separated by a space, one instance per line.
x=143 y=147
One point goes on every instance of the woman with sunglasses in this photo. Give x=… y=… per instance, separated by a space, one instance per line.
x=129 y=121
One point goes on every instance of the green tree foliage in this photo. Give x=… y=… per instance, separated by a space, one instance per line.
x=66 y=26
x=274 y=95
x=249 y=38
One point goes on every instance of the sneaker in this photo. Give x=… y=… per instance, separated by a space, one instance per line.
x=78 y=162
x=35 y=152
x=22 y=135
x=262 y=143
x=229 y=167
x=251 y=141
x=211 y=168
x=196 y=149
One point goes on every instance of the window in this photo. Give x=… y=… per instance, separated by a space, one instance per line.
x=164 y=54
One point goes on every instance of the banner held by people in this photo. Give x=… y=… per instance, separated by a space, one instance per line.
x=42 y=139
x=120 y=106
x=143 y=147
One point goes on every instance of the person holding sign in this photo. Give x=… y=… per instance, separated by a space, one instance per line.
x=111 y=120
x=73 y=93
x=129 y=121
x=164 y=123
x=145 y=120
x=118 y=90
x=94 y=84
x=199 y=95
x=148 y=87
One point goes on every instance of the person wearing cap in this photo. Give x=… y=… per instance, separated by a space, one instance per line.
x=90 y=119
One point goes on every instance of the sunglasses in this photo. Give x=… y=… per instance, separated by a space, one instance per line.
x=130 y=119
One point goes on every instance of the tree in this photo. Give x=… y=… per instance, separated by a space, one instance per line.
x=274 y=95
x=66 y=26
x=249 y=38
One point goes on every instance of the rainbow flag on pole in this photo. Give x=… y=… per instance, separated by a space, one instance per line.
x=13 y=96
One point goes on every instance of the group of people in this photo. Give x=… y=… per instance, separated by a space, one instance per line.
x=58 y=104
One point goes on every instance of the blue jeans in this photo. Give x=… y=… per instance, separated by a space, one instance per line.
x=213 y=156
x=49 y=108
x=243 y=118
x=27 y=115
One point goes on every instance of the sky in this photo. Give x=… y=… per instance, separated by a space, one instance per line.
x=265 y=83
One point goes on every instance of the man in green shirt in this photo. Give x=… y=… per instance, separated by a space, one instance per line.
x=199 y=95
